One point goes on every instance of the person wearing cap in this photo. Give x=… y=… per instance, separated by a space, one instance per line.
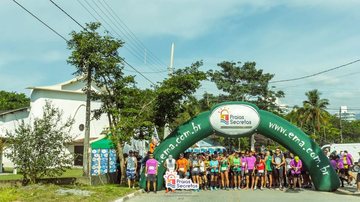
x=278 y=160
x=131 y=167
x=350 y=162
x=296 y=165
x=151 y=170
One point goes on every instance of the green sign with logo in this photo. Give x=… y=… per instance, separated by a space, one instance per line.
x=239 y=119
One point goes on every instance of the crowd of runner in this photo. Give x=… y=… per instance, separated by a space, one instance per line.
x=238 y=170
x=241 y=170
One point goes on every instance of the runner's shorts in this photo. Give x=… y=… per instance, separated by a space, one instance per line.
x=151 y=178
x=250 y=172
x=214 y=173
x=237 y=172
x=182 y=174
x=260 y=174
x=195 y=172
x=130 y=174
x=295 y=175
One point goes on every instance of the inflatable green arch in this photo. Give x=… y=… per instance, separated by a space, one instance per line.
x=240 y=119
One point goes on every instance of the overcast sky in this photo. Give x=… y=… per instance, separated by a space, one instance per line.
x=287 y=38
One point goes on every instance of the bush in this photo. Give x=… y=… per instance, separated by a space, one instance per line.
x=39 y=147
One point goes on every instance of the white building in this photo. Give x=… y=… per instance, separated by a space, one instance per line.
x=68 y=97
x=346 y=115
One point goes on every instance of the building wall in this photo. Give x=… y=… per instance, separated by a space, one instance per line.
x=71 y=104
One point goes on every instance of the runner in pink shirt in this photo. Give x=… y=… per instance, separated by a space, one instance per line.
x=250 y=164
x=296 y=165
x=151 y=172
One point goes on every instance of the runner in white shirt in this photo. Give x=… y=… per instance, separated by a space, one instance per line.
x=202 y=178
x=170 y=165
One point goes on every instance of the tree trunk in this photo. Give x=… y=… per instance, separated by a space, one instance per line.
x=1 y=153
x=87 y=125
x=122 y=162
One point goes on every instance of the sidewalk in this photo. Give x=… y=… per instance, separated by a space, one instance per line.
x=350 y=190
x=127 y=197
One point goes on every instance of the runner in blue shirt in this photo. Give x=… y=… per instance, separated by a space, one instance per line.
x=214 y=171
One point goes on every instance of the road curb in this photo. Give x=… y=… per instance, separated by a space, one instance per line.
x=129 y=196
x=343 y=191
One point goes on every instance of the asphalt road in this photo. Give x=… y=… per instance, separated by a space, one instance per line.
x=245 y=195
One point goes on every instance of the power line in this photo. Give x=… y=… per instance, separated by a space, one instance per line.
x=132 y=34
x=129 y=48
x=57 y=33
x=155 y=72
x=68 y=15
x=126 y=33
x=318 y=73
x=113 y=26
x=112 y=56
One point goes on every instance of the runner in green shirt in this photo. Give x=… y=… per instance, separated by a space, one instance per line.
x=268 y=165
x=236 y=168
x=224 y=171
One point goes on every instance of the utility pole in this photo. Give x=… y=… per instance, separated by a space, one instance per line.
x=341 y=134
x=170 y=73
x=87 y=124
x=171 y=67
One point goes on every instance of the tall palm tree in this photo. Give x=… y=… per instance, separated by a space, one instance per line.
x=314 y=110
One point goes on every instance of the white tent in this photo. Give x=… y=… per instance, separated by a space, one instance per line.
x=205 y=146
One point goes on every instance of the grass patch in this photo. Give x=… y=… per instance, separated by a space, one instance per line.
x=73 y=172
x=53 y=193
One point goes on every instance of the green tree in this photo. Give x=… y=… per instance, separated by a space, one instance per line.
x=13 y=100
x=97 y=59
x=314 y=110
x=39 y=148
x=94 y=55
x=173 y=92
x=246 y=83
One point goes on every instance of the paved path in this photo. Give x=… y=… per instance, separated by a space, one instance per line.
x=244 y=196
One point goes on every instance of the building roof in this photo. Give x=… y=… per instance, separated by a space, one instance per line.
x=64 y=86
x=13 y=111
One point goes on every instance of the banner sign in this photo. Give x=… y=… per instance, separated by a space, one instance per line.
x=173 y=181
x=235 y=119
